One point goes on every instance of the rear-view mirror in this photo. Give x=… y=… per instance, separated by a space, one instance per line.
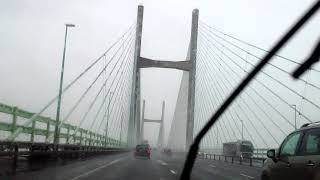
x=271 y=154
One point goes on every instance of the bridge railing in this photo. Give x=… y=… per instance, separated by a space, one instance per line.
x=253 y=161
x=260 y=153
x=43 y=126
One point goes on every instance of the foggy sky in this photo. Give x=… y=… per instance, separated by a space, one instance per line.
x=32 y=34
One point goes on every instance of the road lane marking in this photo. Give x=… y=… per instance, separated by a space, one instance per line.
x=247 y=176
x=96 y=169
x=172 y=171
x=162 y=162
x=212 y=165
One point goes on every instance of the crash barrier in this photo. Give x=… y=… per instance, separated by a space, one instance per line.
x=252 y=161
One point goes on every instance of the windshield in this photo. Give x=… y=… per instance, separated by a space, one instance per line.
x=122 y=89
x=144 y=146
x=246 y=148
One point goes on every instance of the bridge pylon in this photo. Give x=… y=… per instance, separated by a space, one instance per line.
x=134 y=121
x=161 y=122
x=188 y=65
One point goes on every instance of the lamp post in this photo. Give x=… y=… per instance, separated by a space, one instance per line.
x=295 y=116
x=56 y=130
x=241 y=130
x=108 y=115
x=121 y=127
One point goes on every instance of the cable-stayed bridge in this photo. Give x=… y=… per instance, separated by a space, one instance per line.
x=269 y=109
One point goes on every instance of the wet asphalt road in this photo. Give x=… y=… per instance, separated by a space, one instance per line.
x=126 y=167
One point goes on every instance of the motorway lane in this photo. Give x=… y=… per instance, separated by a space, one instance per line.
x=126 y=167
x=205 y=169
x=226 y=171
x=130 y=168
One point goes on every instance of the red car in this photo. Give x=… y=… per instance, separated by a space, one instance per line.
x=143 y=150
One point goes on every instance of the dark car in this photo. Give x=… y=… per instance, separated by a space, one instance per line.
x=143 y=150
x=298 y=156
x=167 y=151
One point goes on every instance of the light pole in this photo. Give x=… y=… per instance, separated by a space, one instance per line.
x=108 y=115
x=295 y=116
x=241 y=130
x=56 y=130
x=121 y=127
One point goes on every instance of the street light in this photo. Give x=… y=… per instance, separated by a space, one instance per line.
x=295 y=116
x=108 y=116
x=241 y=130
x=121 y=127
x=56 y=130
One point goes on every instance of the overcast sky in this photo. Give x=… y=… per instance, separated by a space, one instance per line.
x=32 y=34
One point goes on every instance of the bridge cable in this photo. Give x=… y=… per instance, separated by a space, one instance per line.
x=112 y=83
x=101 y=89
x=203 y=119
x=216 y=98
x=122 y=86
x=272 y=79
x=245 y=114
x=249 y=44
x=267 y=88
x=256 y=116
x=108 y=93
x=117 y=87
x=98 y=112
x=249 y=53
x=34 y=116
x=214 y=93
x=254 y=113
x=260 y=108
x=85 y=93
x=228 y=111
x=232 y=117
x=255 y=91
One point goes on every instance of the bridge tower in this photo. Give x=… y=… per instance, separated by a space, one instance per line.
x=134 y=121
x=188 y=65
x=161 y=122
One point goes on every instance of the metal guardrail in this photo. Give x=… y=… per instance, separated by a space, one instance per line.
x=84 y=137
x=17 y=151
x=254 y=161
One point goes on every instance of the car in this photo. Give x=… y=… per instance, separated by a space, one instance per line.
x=143 y=150
x=167 y=151
x=298 y=156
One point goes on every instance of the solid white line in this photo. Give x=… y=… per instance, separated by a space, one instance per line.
x=250 y=177
x=212 y=165
x=173 y=172
x=96 y=169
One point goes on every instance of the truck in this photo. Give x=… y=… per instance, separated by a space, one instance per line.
x=240 y=148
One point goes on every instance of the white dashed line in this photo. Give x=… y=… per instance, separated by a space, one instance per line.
x=244 y=175
x=162 y=162
x=212 y=165
x=96 y=169
x=173 y=172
